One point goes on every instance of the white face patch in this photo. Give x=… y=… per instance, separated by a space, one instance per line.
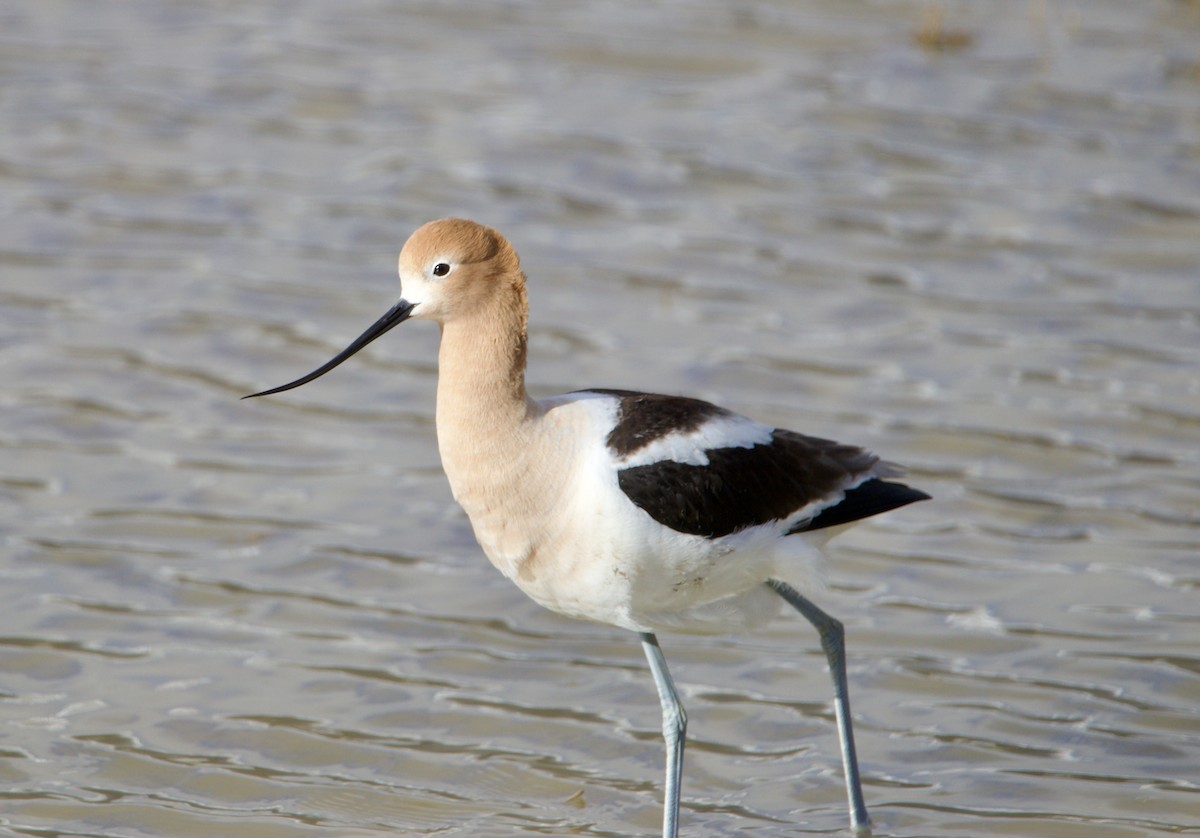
x=419 y=291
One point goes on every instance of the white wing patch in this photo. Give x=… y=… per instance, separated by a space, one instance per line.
x=690 y=447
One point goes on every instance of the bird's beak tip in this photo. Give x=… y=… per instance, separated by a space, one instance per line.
x=396 y=315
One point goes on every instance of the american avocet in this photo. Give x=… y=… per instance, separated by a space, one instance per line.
x=642 y=511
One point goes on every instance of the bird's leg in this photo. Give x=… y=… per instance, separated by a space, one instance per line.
x=833 y=642
x=674 y=730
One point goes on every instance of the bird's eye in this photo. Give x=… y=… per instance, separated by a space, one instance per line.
x=441 y=269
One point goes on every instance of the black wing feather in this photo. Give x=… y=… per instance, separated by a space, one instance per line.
x=743 y=487
x=869 y=498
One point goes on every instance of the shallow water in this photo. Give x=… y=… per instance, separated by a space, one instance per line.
x=976 y=250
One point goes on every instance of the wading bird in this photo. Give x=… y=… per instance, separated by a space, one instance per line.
x=637 y=510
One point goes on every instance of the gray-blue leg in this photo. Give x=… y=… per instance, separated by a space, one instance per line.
x=674 y=730
x=833 y=642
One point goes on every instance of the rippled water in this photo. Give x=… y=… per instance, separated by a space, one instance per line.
x=964 y=234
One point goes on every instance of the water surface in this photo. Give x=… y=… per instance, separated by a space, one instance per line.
x=971 y=243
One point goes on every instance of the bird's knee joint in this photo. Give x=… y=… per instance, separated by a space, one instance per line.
x=674 y=723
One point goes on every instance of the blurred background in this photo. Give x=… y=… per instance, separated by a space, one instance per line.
x=964 y=234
